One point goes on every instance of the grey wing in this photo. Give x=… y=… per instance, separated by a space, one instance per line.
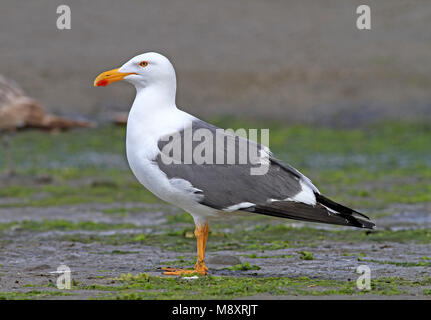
x=228 y=185
x=281 y=190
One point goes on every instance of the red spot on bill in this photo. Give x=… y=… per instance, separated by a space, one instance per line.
x=102 y=83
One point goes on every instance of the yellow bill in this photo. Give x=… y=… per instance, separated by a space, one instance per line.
x=108 y=77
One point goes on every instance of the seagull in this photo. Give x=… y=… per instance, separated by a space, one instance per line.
x=209 y=189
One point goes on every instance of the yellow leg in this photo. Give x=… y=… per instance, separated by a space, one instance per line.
x=202 y=237
x=201 y=233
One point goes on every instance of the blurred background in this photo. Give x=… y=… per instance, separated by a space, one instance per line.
x=350 y=109
x=294 y=61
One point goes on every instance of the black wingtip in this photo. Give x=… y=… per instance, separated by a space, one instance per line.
x=367 y=224
x=345 y=212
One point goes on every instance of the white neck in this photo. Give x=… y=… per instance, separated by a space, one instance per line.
x=153 y=115
x=154 y=112
x=155 y=96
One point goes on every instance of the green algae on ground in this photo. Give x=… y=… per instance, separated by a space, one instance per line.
x=183 y=217
x=305 y=255
x=243 y=267
x=261 y=237
x=366 y=168
x=123 y=252
x=140 y=238
x=255 y=256
x=145 y=286
x=123 y=212
x=349 y=254
x=63 y=225
x=65 y=194
x=399 y=263
x=303 y=235
x=179 y=262
x=30 y=295
x=370 y=169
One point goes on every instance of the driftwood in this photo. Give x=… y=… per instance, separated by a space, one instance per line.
x=18 y=111
x=120 y=118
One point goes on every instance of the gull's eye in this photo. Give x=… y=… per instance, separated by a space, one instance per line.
x=143 y=64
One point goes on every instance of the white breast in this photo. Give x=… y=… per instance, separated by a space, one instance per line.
x=144 y=130
x=147 y=123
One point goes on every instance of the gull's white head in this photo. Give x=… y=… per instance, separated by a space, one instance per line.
x=145 y=70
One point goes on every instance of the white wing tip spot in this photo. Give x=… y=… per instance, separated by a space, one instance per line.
x=306 y=195
x=239 y=206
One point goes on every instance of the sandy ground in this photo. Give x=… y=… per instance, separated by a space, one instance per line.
x=291 y=60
